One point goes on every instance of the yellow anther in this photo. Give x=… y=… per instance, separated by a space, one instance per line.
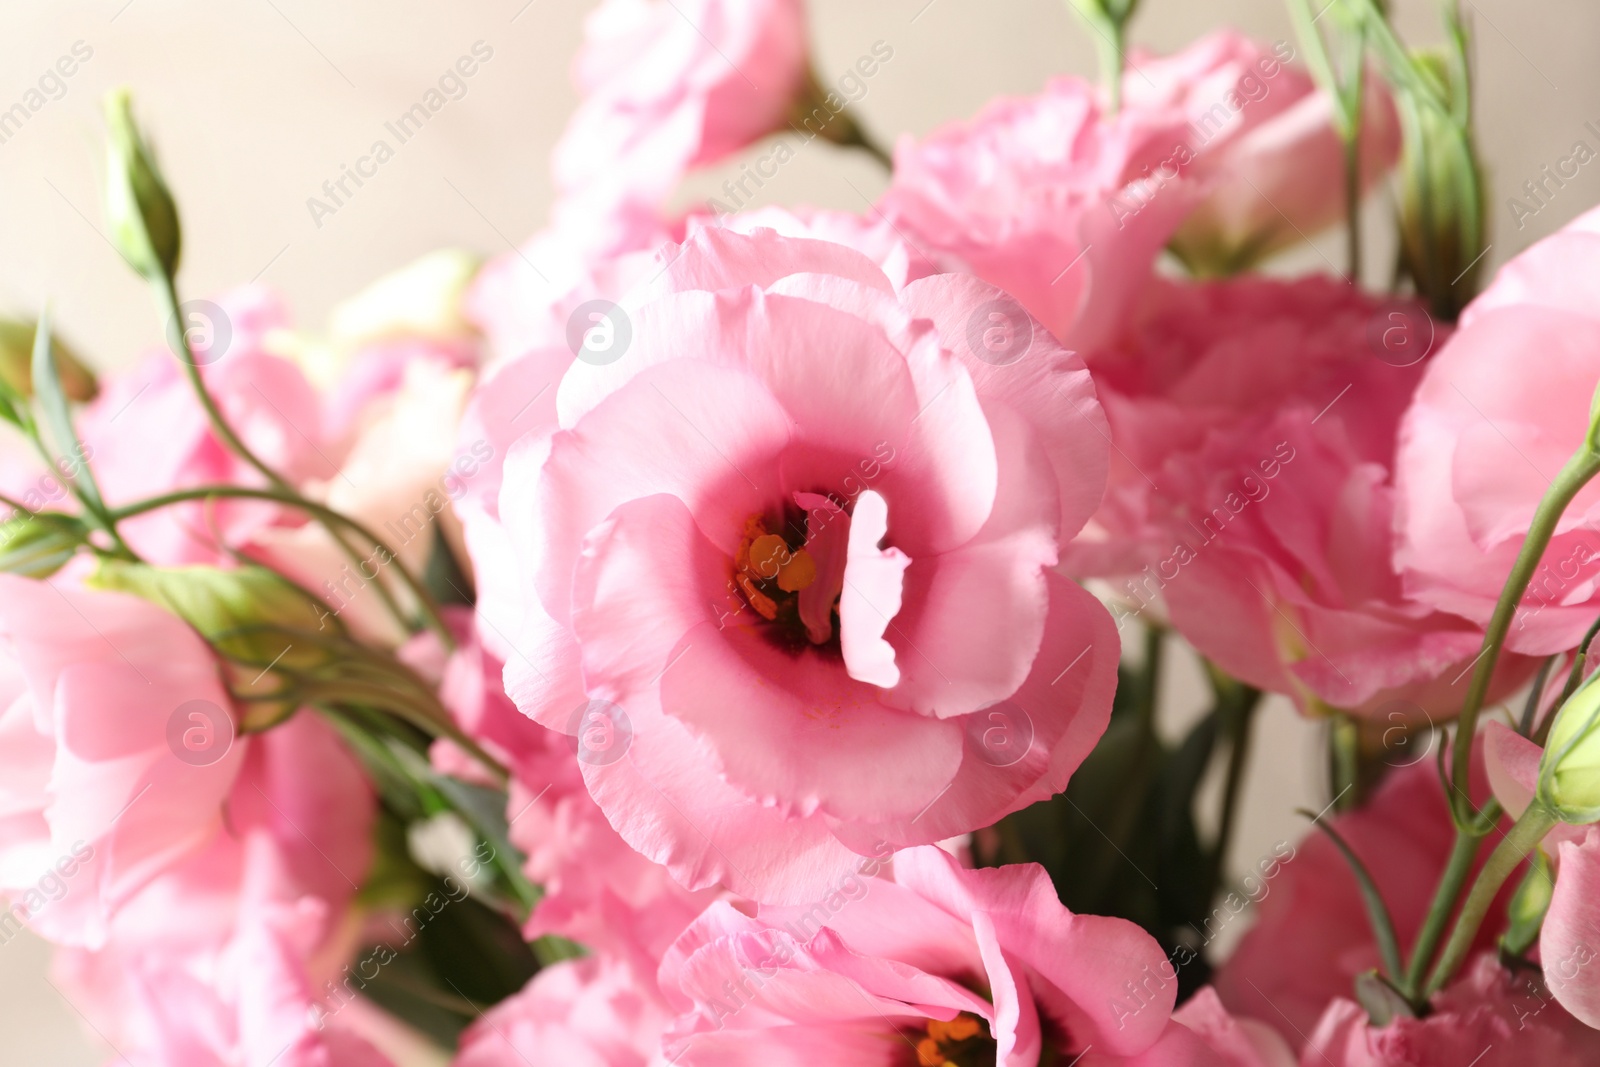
x=768 y=554
x=799 y=572
x=764 y=605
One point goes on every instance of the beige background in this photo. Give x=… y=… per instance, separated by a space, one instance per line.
x=256 y=102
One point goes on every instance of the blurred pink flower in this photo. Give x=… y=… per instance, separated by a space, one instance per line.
x=1503 y=405
x=1260 y=141
x=235 y=955
x=772 y=400
x=97 y=797
x=1040 y=196
x=1569 y=942
x=984 y=965
x=1255 y=425
x=672 y=84
x=1312 y=938
x=1489 y=1017
x=580 y=1013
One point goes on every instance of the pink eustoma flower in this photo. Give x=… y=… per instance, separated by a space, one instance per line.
x=1502 y=407
x=791 y=555
x=929 y=964
x=238 y=955
x=97 y=797
x=1260 y=141
x=672 y=84
x=1045 y=196
x=1251 y=494
x=583 y=1013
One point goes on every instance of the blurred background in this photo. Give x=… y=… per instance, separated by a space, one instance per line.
x=254 y=104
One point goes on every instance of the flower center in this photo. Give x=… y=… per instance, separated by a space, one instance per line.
x=772 y=573
x=769 y=570
x=962 y=1042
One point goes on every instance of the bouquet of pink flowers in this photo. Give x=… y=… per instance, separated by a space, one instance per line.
x=734 y=636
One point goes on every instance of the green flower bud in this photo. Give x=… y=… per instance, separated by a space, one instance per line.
x=1442 y=202
x=270 y=633
x=1569 y=774
x=36 y=546
x=143 y=217
x=1528 y=905
x=16 y=363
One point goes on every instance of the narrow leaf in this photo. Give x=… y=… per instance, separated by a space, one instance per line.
x=1377 y=911
x=66 y=452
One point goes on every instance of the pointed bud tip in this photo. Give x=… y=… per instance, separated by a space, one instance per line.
x=139 y=207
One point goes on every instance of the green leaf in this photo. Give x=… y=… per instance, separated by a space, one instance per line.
x=394 y=880
x=478 y=952
x=442 y=575
x=409 y=989
x=16 y=363
x=1377 y=910
x=67 y=453
x=1382 y=1001
x=485 y=811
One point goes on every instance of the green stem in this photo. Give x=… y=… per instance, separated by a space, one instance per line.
x=1344 y=757
x=1445 y=897
x=1574 y=679
x=1352 y=208
x=1145 y=701
x=1239 y=716
x=876 y=151
x=167 y=290
x=1525 y=835
x=855 y=136
x=1530 y=707
x=423 y=712
x=1109 y=40
x=1577 y=472
x=93 y=507
x=326 y=515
